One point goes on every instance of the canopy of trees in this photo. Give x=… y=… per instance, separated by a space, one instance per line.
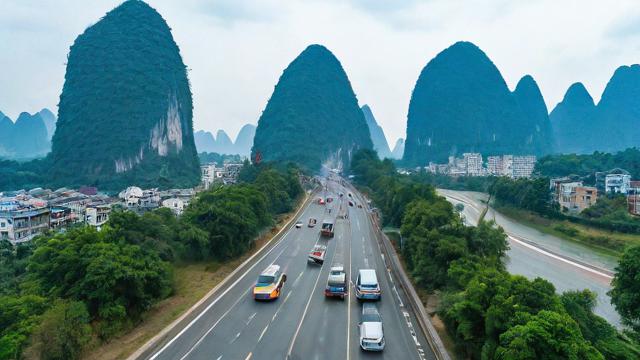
x=67 y=288
x=490 y=313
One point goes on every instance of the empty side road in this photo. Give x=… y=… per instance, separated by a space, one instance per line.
x=302 y=323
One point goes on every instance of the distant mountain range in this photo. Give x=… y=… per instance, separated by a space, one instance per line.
x=462 y=104
x=29 y=137
x=222 y=144
x=580 y=126
x=380 y=144
x=398 y=149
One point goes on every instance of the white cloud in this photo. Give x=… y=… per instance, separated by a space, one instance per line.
x=236 y=50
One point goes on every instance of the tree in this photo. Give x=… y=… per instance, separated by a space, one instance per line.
x=545 y=335
x=64 y=330
x=613 y=345
x=625 y=291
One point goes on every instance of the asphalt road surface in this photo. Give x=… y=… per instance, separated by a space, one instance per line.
x=567 y=265
x=302 y=323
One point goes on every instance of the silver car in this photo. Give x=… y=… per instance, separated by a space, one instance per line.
x=371 y=334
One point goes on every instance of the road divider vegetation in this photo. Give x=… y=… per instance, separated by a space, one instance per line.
x=489 y=313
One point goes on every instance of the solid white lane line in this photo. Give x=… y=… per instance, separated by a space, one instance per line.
x=240 y=277
x=219 y=357
x=306 y=308
x=212 y=327
x=554 y=256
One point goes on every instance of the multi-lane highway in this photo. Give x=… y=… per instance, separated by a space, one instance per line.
x=302 y=323
x=568 y=265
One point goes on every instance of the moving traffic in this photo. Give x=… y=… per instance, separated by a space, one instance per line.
x=288 y=303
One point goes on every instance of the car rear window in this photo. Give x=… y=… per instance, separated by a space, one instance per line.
x=265 y=279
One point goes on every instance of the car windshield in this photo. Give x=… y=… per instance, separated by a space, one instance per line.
x=265 y=279
x=336 y=283
x=336 y=272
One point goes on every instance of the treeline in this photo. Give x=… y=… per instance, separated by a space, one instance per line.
x=609 y=212
x=68 y=290
x=587 y=165
x=490 y=313
x=212 y=157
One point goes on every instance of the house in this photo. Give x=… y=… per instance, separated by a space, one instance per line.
x=177 y=205
x=618 y=182
x=573 y=196
x=19 y=223
x=633 y=198
x=97 y=215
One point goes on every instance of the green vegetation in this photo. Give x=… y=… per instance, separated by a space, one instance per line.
x=625 y=292
x=609 y=212
x=490 y=313
x=313 y=114
x=125 y=112
x=68 y=288
x=461 y=103
x=211 y=157
x=587 y=165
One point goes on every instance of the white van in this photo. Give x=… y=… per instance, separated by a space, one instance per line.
x=367 y=286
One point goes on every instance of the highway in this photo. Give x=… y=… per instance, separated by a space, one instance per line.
x=302 y=323
x=567 y=265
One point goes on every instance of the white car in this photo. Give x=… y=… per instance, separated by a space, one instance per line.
x=371 y=334
x=298 y=224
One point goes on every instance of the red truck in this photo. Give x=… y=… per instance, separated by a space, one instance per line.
x=327 y=228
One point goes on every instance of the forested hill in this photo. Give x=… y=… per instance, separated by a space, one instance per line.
x=125 y=112
x=313 y=114
x=461 y=103
x=582 y=127
x=570 y=120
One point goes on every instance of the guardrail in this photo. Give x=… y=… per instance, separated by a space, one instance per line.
x=424 y=321
x=173 y=329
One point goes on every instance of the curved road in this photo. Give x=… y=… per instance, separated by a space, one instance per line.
x=568 y=265
x=302 y=323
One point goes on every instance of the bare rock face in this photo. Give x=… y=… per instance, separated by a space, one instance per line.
x=125 y=112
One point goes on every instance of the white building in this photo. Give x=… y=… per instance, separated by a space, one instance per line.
x=617 y=183
x=473 y=164
x=523 y=166
x=97 y=215
x=176 y=205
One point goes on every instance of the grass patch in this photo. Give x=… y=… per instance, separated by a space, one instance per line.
x=192 y=282
x=610 y=242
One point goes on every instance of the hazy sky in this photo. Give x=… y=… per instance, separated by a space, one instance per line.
x=237 y=49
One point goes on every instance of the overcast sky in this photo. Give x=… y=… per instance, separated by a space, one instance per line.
x=237 y=49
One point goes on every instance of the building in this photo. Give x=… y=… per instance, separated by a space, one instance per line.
x=633 y=198
x=61 y=217
x=572 y=195
x=617 y=183
x=601 y=178
x=136 y=199
x=97 y=215
x=20 y=223
x=473 y=164
x=177 y=205
x=522 y=166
